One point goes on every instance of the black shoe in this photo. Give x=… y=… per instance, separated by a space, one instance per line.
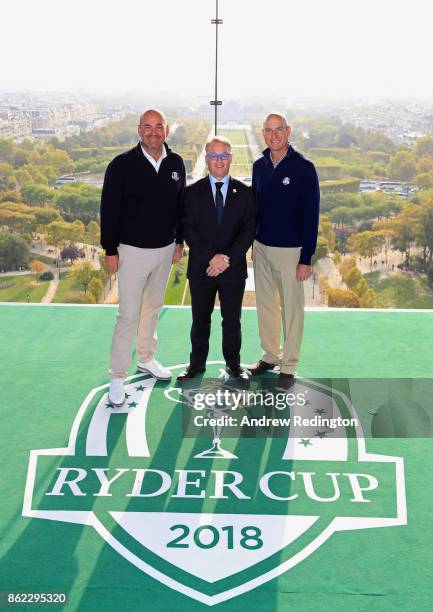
x=261 y=368
x=237 y=372
x=190 y=372
x=285 y=381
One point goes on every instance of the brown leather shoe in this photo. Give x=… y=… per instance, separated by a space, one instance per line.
x=285 y=381
x=261 y=367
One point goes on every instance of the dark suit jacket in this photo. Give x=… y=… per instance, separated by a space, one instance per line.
x=206 y=238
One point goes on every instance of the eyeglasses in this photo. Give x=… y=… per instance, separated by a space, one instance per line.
x=221 y=156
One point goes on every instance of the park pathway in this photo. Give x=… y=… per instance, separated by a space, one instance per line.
x=252 y=142
x=51 y=291
x=112 y=296
x=200 y=164
x=326 y=267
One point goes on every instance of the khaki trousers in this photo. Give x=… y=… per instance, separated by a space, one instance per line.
x=142 y=278
x=279 y=298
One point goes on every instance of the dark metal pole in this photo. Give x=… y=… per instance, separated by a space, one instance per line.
x=215 y=102
x=216 y=66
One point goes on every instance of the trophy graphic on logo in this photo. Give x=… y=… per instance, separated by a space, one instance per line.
x=217 y=412
x=216 y=451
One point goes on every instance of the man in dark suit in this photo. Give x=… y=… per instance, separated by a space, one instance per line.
x=219 y=227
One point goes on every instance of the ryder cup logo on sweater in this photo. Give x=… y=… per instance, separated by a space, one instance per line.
x=213 y=516
x=175 y=176
x=286 y=180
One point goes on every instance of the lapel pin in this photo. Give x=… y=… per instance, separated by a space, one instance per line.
x=234 y=190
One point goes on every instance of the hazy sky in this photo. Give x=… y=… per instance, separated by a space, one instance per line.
x=315 y=48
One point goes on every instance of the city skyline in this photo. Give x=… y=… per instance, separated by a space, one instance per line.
x=339 y=50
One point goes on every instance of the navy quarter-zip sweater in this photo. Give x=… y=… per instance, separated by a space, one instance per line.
x=287 y=200
x=139 y=206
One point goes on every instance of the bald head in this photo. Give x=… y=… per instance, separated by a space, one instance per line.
x=153 y=131
x=276 y=133
x=275 y=115
x=153 y=113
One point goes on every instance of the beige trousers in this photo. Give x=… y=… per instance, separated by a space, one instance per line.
x=279 y=298
x=142 y=278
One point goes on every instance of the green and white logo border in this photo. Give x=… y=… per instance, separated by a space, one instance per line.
x=337 y=524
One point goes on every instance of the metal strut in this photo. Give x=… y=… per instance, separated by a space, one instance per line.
x=215 y=102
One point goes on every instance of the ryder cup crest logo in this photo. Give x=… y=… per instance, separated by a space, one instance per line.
x=175 y=176
x=213 y=516
x=286 y=180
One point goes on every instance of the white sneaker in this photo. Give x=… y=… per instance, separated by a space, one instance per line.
x=155 y=369
x=116 y=394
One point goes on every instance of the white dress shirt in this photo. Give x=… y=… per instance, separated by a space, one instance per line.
x=224 y=188
x=156 y=164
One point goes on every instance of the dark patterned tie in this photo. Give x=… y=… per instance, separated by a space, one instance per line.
x=219 y=201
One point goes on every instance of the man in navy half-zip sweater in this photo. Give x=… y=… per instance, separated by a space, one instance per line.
x=141 y=233
x=287 y=194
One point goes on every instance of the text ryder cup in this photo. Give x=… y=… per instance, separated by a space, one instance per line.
x=223 y=484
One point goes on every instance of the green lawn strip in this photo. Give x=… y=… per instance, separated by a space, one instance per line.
x=89 y=152
x=400 y=291
x=240 y=170
x=236 y=137
x=23 y=285
x=373 y=279
x=187 y=301
x=174 y=290
x=240 y=156
x=67 y=285
x=43 y=258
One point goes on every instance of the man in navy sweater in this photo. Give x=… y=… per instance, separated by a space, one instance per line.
x=141 y=233
x=287 y=194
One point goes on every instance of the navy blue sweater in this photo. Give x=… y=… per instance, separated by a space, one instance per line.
x=287 y=202
x=139 y=206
